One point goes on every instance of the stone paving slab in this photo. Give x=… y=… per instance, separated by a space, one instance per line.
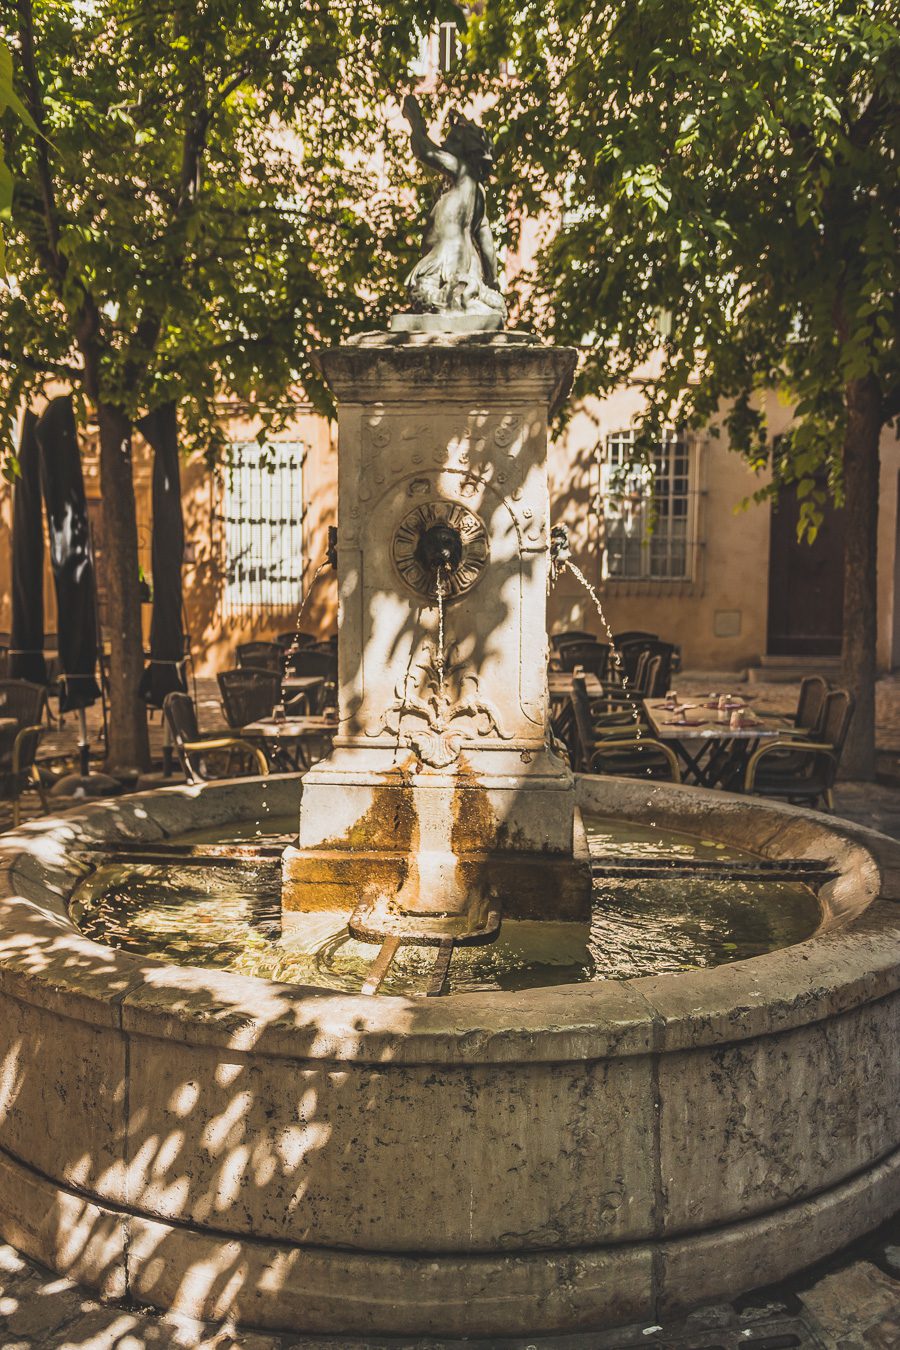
x=850 y=1302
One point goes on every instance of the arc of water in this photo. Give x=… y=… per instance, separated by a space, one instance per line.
x=325 y=562
x=618 y=661
x=561 y=561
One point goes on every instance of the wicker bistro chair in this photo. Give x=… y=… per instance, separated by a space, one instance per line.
x=28 y=704
x=810 y=710
x=315 y=662
x=24 y=701
x=800 y=769
x=299 y=639
x=310 y=662
x=622 y=707
x=248 y=694
x=261 y=656
x=564 y=733
x=195 y=751
x=630 y=654
x=634 y=635
x=727 y=765
x=558 y=640
x=622 y=751
x=591 y=656
x=19 y=771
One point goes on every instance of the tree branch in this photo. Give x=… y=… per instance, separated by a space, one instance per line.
x=149 y=326
x=58 y=263
x=41 y=366
x=87 y=320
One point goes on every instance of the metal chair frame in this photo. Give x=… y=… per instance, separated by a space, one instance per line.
x=260 y=656
x=558 y=640
x=23 y=770
x=187 y=744
x=804 y=770
x=627 y=755
x=593 y=656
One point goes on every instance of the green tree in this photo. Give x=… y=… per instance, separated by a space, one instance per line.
x=200 y=201
x=734 y=165
x=9 y=101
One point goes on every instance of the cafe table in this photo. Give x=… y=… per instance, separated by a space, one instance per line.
x=286 y=742
x=704 y=731
x=560 y=684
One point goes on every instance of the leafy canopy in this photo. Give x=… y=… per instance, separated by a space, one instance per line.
x=729 y=165
x=9 y=101
x=216 y=192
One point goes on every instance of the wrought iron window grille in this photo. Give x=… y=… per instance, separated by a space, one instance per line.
x=649 y=513
x=262 y=517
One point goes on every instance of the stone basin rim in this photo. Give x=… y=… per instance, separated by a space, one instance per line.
x=853 y=958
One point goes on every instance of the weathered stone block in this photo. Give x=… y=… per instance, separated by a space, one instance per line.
x=751 y=1127
x=530 y=1155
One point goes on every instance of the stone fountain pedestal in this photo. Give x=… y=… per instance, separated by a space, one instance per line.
x=442 y=798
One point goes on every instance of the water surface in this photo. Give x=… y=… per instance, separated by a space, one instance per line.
x=229 y=918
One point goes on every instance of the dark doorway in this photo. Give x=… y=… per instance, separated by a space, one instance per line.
x=806 y=582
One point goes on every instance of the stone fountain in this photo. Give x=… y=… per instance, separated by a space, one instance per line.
x=521 y=1163
x=442 y=802
x=443 y=807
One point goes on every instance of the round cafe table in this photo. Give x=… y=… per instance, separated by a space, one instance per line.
x=286 y=743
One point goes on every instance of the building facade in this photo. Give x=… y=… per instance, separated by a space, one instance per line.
x=672 y=552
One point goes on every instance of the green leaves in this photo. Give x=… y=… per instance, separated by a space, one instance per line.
x=735 y=163
x=221 y=193
x=8 y=96
x=10 y=101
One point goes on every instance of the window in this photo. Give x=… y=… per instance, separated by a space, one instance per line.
x=649 y=513
x=263 y=520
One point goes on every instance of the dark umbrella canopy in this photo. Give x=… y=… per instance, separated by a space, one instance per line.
x=165 y=672
x=70 y=554
x=26 y=656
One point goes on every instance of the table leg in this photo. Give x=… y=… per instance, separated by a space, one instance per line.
x=693 y=763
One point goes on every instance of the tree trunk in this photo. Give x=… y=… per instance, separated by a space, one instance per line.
x=128 y=742
x=861 y=468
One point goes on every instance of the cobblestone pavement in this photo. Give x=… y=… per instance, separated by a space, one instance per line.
x=851 y=1302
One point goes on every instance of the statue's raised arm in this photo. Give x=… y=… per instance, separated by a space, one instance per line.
x=457 y=276
x=423 y=147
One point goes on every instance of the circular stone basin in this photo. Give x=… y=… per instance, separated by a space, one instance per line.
x=525 y=1162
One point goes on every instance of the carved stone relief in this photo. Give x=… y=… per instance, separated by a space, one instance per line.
x=448 y=695
x=408 y=533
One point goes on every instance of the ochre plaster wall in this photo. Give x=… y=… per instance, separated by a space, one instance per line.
x=731 y=560
x=215 y=632
x=731 y=573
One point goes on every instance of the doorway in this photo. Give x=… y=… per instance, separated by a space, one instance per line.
x=806 y=582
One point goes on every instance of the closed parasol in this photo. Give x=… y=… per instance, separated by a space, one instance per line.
x=70 y=554
x=164 y=673
x=26 y=655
